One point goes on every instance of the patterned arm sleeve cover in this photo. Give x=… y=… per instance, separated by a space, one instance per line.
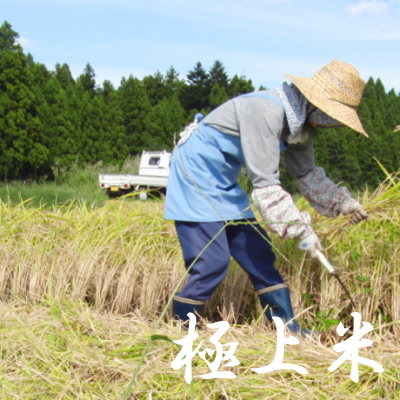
x=327 y=199
x=280 y=213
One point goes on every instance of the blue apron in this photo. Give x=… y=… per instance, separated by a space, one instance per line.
x=203 y=181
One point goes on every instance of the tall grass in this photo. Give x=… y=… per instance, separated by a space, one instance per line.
x=71 y=351
x=81 y=289
x=109 y=256
x=125 y=256
x=74 y=186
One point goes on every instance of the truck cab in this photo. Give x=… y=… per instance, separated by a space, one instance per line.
x=154 y=163
x=152 y=177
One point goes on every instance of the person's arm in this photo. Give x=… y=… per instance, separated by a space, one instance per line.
x=327 y=198
x=259 y=133
x=320 y=191
x=280 y=213
x=283 y=217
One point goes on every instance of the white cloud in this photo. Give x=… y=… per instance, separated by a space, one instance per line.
x=101 y=46
x=26 y=43
x=375 y=8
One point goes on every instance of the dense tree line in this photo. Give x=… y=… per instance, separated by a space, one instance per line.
x=50 y=121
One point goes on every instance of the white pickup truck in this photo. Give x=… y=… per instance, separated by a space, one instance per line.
x=153 y=175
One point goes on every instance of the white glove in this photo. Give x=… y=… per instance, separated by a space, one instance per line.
x=310 y=244
x=358 y=213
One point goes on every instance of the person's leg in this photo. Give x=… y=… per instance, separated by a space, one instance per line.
x=249 y=247
x=277 y=299
x=206 y=255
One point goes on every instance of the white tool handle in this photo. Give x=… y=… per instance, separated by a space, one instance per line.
x=323 y=260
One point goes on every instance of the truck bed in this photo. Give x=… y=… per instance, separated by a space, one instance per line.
x=125 y=181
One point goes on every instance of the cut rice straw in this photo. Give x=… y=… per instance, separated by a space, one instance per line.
x=90 y=282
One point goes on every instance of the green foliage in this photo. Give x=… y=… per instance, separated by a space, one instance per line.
x=168 y=118
x=50 y=122
x=218 y=76
x=64 y=76
x=73 y=187
x=21 y=149
x=136 y=108
x=217 y=96
x=195 y=95
x=240 y=85
x=87 y=80
x=349 y=157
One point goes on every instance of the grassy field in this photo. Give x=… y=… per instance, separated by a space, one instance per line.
x=85 y=289
x=52 y=195
x=75 y=187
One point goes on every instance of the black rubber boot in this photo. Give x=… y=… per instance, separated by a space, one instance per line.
x=277 y=298
x=181 y=307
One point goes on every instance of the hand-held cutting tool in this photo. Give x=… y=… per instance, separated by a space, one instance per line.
x=324 y=261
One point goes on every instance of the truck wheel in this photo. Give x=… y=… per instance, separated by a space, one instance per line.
x=142 y=196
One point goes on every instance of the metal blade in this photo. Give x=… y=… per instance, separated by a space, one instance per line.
x=323 y=260
x=344 y=288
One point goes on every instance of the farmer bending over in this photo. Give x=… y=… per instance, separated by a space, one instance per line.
x=204 y=195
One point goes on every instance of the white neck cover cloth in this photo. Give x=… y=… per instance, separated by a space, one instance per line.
x=297 y=108
x=296 y=111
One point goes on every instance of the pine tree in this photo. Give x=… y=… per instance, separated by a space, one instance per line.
x=64 y=76
x=217 y=75
x=155 y=87
x=196 y=94
x=87 y=80
x=217 y=96
x=240 y=85
x=22 y=153
x=380 y=96
x=75 y=102
x=114 y=149
x=369 y=97
x=59 y=126
x=392 y=108
x=391 y=121
x=136 y=110
x=39 y=73
x=167 y=120
x=321 y=148
x=172 y=82
x=89 y=117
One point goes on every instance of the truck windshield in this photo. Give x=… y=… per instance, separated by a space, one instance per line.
x=154 y=161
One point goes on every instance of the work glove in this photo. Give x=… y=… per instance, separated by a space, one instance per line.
x=310 y=244
x=358 y=213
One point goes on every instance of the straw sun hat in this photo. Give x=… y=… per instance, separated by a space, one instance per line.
x=336 y=89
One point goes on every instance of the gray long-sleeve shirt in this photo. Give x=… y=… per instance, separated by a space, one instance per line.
x=261 y=124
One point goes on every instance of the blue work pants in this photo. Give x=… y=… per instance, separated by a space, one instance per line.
x=246 y=243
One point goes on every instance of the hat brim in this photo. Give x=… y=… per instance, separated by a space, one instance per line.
x=314 y=93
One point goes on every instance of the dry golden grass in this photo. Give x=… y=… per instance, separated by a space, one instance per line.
x=125 y=256
x=64 y=350
x=82 y=291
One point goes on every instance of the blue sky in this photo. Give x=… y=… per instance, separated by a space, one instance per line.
x=260 y=39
